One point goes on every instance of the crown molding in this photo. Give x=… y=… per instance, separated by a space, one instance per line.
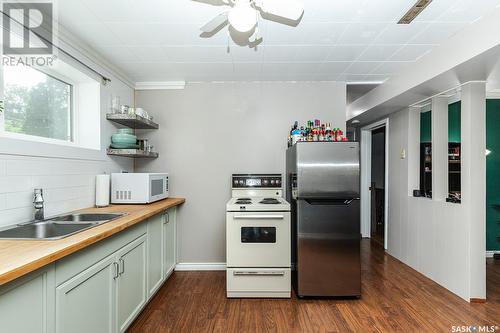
x=160 y=85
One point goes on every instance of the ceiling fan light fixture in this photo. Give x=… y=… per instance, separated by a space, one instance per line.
x=242 y=16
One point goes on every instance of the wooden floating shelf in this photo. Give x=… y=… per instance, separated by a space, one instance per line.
x=132 y=121
x=135 y=153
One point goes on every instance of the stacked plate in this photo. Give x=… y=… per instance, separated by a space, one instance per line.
x=124 y=139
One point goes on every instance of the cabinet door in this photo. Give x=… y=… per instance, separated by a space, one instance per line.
x=27 y=304
x=169 y=242
x=155 y=253
x=131 y=284
x=85 y=303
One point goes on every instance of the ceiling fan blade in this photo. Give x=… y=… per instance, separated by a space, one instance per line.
x=215 y=23
x=289 y=9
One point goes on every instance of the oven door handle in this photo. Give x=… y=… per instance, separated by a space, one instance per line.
x=259 y=217
x=271 y=273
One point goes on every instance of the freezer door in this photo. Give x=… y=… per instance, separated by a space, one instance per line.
x=327 y=170
x=328 y=248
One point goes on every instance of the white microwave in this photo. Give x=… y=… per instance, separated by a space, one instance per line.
x=138 y=188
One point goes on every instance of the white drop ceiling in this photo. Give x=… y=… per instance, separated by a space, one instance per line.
x=347 y=40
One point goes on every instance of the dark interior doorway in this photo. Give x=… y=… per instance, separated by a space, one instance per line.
x=378 y=185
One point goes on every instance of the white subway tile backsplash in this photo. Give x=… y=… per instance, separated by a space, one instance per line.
x=64 y=194
x=14 y=216
x=18 y=200
x=2 y=168
x=62 y=181
x=10 y=184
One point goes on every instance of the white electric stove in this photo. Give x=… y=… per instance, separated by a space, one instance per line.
x=258 y=237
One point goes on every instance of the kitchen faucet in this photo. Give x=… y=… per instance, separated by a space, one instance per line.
x=38 y=204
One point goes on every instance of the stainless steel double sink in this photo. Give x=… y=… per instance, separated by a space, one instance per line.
x=58 y=227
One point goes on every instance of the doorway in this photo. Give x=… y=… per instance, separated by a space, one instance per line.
x=374 y=181
x=377 y=188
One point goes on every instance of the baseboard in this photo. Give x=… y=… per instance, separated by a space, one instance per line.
x=478 y=300
x=490 y=254
x=206 y=266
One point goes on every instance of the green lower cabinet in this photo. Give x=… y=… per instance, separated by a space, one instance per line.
x=27 y=304
x=107 y=296
x=131 y=282
x=86 y=302
x=100 y=289
x=169 y=242
x=155 y=253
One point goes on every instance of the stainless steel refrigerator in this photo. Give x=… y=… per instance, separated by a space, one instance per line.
x=323 y=190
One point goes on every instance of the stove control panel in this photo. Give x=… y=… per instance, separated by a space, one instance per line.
x=256 y=181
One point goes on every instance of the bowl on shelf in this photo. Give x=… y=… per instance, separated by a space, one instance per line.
x=120 y=138
x=126 y=131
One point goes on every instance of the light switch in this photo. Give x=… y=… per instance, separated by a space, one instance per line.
x=403 y=154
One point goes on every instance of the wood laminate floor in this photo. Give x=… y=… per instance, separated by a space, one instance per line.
x=395 y=299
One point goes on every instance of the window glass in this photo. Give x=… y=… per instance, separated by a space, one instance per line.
x=426 y=154
x=454 y=152
x=37 y=104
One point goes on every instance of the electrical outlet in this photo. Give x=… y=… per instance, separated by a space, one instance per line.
x=403 y=154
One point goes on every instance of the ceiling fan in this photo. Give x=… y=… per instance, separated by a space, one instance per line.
x=244 y=14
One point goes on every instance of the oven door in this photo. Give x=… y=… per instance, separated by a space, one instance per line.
x=258 y=239
x=158 y=187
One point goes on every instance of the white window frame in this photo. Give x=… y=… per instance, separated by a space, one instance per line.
x=32 y=145
x=73 y=111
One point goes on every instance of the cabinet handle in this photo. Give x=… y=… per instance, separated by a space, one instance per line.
x=167 y=218
x=116 y=274
x=122 y=264
x=271 y=273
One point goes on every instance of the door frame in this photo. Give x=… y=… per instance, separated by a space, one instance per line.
x=366 y=177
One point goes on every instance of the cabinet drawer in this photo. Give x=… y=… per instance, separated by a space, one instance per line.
x=258 y=282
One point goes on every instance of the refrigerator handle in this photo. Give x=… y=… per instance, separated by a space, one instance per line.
x=330 y=202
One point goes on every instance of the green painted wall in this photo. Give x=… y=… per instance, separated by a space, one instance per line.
x=454 y=122
x=426 y=126
x=493 y=175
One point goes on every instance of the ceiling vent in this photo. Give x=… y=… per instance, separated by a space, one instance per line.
x=414 y=11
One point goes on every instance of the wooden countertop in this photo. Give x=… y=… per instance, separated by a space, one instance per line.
x=20 y=257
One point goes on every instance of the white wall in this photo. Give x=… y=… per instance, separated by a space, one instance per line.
x=68 y=183
x=210 y=130
x=440 y=240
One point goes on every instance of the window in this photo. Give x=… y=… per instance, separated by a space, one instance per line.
x=426 y=154
x=37 y=104
x=454 y=152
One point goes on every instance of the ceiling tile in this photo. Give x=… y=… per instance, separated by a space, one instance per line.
x=437 y=33
x=382 y=10
x=361 y=33
x=362 y=67
x=330 y=11
x=188 y=54
x=290 y=68
x=467 y=11
x=163 y=34
x=378 y=52
x=400 y=33
x=412 y=52
x=306 y=33
x=388 y=68
x=329 y=68
x=294 y=53
x=119 y=54
x=345 y=52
